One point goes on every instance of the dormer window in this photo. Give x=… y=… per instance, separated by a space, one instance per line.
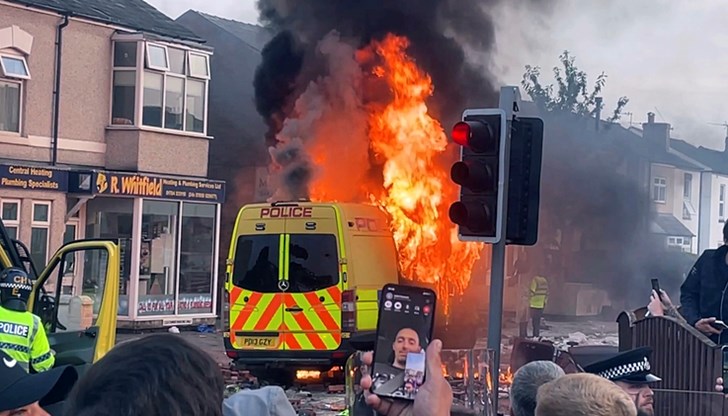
x=160 y=85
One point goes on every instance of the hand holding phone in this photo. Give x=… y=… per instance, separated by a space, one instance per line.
x=656 y=287
x=719 y=325
x=404 y=330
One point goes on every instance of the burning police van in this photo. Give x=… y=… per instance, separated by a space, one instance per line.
x=302 y=279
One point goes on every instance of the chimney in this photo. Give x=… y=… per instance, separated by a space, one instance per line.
x=657 y=133
x=598 y=102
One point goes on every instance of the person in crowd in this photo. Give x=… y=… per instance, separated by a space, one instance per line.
x=539 y=293
x=703 y=293
x=630 y=370
x=526 y=382
x=24 y=394
x=583 y=395
x=153 y=376
x=434 y=398
x=520 y=280
x=22 y=334
x=390 y=378
x=662 y=305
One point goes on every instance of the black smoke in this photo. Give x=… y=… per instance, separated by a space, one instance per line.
x=440 y=31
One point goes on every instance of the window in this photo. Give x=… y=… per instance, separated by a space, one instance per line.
x=256 y=263
x=721 y=203
x=157 y=57
x=199 y=66
x=313 y=263
x=197 y=248
x=153 y=87
x=158 y=261
x=14 y=66
x=10 y=214
x=39 y=230
x=195 y=106
x=659 y=189
x=688 y=186
x=10 y=106
x=173 y=90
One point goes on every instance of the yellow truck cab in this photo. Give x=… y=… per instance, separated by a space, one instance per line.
x=81 y=325
x=303 y=278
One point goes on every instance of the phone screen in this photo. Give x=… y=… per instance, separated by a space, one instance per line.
x=406 y=317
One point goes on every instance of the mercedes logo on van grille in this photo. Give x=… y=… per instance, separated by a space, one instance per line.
x=283 y=285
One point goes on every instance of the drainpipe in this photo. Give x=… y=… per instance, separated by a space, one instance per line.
x=57 y=88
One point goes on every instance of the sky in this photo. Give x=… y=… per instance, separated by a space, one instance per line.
x=667 y=57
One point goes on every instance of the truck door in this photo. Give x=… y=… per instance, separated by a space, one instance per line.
x=81 y=326
x=256 y=301
x=312 y=313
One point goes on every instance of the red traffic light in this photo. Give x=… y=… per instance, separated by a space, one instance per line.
x=475 y=216
x=476 y=135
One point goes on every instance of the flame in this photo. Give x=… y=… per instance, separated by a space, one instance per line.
x=416 y=191
x=505 y=378
x=307 y=374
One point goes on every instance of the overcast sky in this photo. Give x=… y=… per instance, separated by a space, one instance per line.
x=668 y=57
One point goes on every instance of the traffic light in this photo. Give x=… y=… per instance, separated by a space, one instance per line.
x=482 y=135
x=524 y=180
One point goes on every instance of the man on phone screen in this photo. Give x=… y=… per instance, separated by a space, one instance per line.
x=703 y=293
x=389 y=379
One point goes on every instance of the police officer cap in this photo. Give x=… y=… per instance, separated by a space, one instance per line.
x=631 y=366
x=19 y=389
x=15 y=278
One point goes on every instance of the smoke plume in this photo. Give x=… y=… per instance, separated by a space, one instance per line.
x=314 y=49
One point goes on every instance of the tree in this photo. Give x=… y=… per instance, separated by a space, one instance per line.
x=571 y=95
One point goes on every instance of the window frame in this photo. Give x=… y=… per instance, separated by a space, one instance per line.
x=657 y=185
x=21 y=103
x=721 y=202
x=687 y=190
x=41 y=224
x=148 y=62
x=19 y=58
x=189 y=67
x=141 y=68
x=12 y=223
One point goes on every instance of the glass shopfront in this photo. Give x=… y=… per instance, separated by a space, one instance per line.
x=168 y=246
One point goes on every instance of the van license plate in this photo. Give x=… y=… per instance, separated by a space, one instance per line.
x=259 y=342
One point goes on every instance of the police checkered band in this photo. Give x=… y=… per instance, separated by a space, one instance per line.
x=19 y=286
x=14 y=347
x=626 y=369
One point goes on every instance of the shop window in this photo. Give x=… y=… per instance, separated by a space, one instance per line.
x=197 y=247
x=174 y=91
x=113 y=218
x=10 y=106
x=158 y=262
x=39 y=233
x=256 y=263
x=10 y=214
x=69 y=270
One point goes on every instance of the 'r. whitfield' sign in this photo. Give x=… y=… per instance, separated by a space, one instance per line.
x=33 y=178
x=148 y=186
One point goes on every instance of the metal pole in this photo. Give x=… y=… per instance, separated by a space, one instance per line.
x=509 y=99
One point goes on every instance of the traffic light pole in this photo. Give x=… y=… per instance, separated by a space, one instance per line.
x=509 y=102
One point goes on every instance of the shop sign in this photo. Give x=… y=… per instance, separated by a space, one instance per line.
x=150 y=305
x=33 y=178
x=150 y=186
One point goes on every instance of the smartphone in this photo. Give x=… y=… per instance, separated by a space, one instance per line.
x=656 y=287
x=404 y=330
x=720 y=325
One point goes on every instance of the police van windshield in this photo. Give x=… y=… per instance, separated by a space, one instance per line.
x=313 y=262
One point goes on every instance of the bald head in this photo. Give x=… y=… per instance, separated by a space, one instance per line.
x=406 y=341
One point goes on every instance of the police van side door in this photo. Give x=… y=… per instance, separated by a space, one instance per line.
x=80 y=317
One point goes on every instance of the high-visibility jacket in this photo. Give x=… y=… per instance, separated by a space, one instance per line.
x=539 y=292
x=23 y=338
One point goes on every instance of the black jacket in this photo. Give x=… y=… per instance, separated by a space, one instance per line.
x=704 y=293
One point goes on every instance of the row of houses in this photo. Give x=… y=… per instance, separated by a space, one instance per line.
x=119 y=122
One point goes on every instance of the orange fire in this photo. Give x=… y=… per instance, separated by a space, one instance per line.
x=416 y=190
x=505 y=378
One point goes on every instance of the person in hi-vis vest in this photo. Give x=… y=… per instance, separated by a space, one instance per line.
x=22 y=334
x=539 y=293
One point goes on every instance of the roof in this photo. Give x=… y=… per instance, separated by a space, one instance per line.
x=659 y=154
x=133 y=14
x=667 y=224
x=253 y=35
x=715 y=160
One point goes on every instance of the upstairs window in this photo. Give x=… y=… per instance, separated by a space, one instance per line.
x=167 y=88
x=14 y=66
x=659 y=189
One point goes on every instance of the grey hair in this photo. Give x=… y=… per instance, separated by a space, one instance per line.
x=526 y=382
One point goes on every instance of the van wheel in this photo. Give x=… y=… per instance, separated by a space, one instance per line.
x=275 y=377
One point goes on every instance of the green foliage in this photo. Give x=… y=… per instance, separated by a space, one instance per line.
x=571 y=90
